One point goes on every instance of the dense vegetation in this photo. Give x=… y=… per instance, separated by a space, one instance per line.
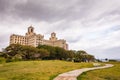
x=37 y=70
x=16 y=52
x=112 y=73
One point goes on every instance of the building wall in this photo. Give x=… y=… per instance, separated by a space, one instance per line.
x=33 y=39
x=18 y=39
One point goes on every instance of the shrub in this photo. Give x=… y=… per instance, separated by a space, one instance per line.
x=112 y=60
x=77 y=60
x=2 y=60
x=11 y=60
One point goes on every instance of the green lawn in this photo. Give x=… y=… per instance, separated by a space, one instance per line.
x=37 y=70
x=103 y=74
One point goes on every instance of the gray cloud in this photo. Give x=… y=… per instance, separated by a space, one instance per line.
x=111 y=53
x=114 y=50
x=3 y=38
x=3 y=5
x=52 y=10
x=47 y=10
x=44 y=10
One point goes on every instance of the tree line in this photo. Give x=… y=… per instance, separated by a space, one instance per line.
x=16 y=52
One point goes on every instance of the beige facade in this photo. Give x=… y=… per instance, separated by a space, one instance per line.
x=33 y=39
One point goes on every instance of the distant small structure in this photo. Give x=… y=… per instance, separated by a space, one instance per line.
x=104 y=60
x=33 y=39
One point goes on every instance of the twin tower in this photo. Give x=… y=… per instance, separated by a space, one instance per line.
x=33 y=39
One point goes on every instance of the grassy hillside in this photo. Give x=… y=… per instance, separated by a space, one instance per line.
x=37 y=70
x=103 y=74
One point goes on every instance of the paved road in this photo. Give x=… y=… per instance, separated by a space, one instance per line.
x=72 y=75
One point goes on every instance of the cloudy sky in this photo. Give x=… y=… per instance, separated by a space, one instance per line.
x=90 y=25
